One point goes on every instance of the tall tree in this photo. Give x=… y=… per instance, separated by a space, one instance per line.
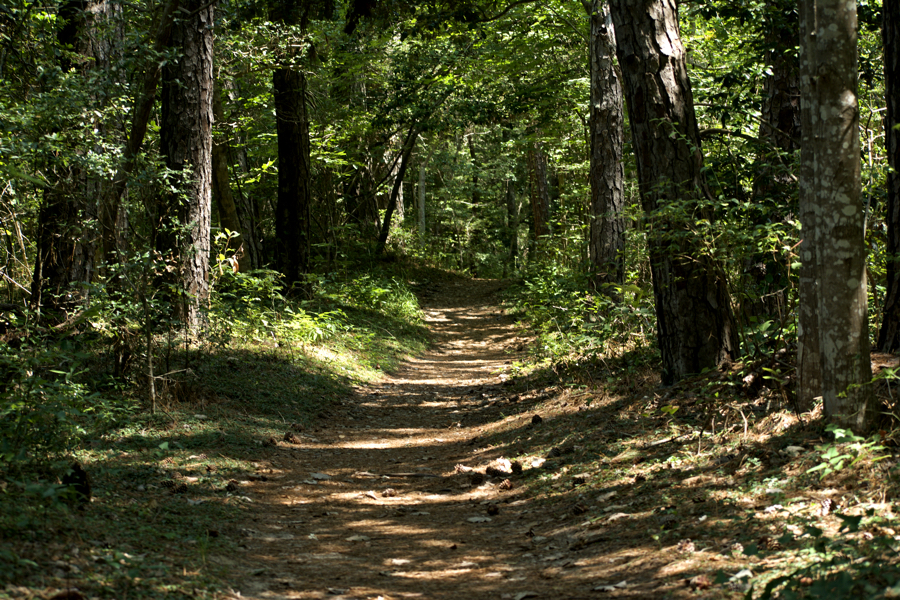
x=830 y=193
x=540 y=189
x=111 y=201
x=186 y=142
x=292 y=218
x=235 y=214
x=66 y=239
x=889 y=335
x=406 y=151
x=693 y=310
x=606 y=245
x=779 y=127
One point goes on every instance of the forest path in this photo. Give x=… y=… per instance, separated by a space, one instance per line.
x=373 y=505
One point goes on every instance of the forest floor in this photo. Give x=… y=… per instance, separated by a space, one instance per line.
x=462 y=475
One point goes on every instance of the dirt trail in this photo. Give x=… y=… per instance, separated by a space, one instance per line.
x=372 y=505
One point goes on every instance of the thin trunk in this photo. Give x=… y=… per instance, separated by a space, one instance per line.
x=540 y=190
x=889 y=335
x=606 y=245
x=476 y=192
x=186 y=125
x=234 y=213
x=512 y=224
x=110 y=209
x=695 y=325
x=421 y=225
x=408 y=147
x=809 y=364
x=831 y=189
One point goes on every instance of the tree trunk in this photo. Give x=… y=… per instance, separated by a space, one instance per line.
x=606 y=244
x=234 y=213
x=779 y=134
x=831 y=189
x=401 y=208
x=66 y=241
x=512 y=224
x=186 y=125
x=540 y=190
x=408 y=146
x=889 y=335
x=809 y=364
x=780 y=126
x=421 y=225
x=110 y=209
x=292 y=211
x=694 y=319
x=292 y=216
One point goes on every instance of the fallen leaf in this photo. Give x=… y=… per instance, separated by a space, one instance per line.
x=358 y=538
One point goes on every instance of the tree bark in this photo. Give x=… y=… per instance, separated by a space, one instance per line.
x=779 y=134
x=809 y=364
x=540 y=190
x=292 y=210
x=234 y=214
x=409 y=145
x=110 y=209
x=186 y=143
x=512 y=224
x=831 y=189
x=889 y=334
x=779 y=129
x=694 y=319
x=421 y=225
x=66 y=239
x=606 y=244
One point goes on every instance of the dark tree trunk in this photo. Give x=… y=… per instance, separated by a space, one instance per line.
x=540 y=190
x=66 y=239
x=110 y=209
x=292 y=217
x=476 y=192
x=234 y=213
x=292 y=211
x=779 y=133
x=889 y=335
x=780 y=126
x=408 y=146
x=186 y=125
x=694 y=319
x=421 y=220
x=512 y=224
x=809 y=363
x=831 y=191
x=606 y=245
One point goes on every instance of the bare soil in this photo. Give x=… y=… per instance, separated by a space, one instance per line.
x=405 y=490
